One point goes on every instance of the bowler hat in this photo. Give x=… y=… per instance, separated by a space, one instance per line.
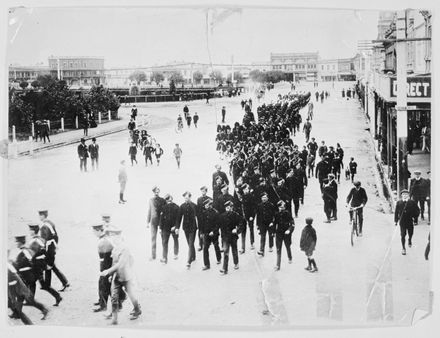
x=186 y=193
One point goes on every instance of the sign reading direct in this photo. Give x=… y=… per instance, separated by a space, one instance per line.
x=415 y=87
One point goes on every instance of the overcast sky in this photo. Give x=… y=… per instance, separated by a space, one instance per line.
x=146 y=37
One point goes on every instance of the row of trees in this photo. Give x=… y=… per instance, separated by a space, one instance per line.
x=176 y=77
x=51 y=99
x=273 y=76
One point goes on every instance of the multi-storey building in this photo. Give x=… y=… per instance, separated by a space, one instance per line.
x=297 y=66
x=79 y=71
x=26 y=73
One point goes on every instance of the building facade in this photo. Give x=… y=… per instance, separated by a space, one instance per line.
x=26 y=73
x=81 y=71
x=297 y=66
x=328 y=70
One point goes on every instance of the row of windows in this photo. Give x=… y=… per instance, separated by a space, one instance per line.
x=76 y=64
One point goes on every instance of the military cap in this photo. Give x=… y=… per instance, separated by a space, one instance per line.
x=207 y=202
x=272 y=171
x=218 y=166
x=281 y=203
x=167 y=197
x=280 y=181
x=98 y=226
x=93 y=138
x=404 y=191
x=105 y=215
x=309 y=220
x=204 y=188
x=263 y=194
x=34 y=226
x=82 y=140
x=20 y=239
x=331 y=175
x=417 y=172
x=186 y=193
x=229 y=204
x=43 y=212
x=357 y=183
x=155 y=187
x=112 y=229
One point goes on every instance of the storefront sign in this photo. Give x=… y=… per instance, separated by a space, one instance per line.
x=415 y=87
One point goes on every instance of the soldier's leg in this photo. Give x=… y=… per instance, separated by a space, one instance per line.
x=165 y=239
x=410 y=234
x=251 y=232
x=130 y=289
x=101 y=292
x=60 y=276
x=176 y=243
x=422 y=208
x=279 y=245
x=234 y=248
x=47 y=287
x=206 y=245
x=218 y=253
x=226 y=245
x=18 y=310
x=288 y=244
x=200 y=237
x=116 y=289
x=243 y=240
x=263 y=232
x=296 y=205
x=153 y=240
x=271 y=238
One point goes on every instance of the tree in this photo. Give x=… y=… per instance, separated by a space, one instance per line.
x=20 y=112
x=217 y=76
x=24 y=84
x=138 y=76
x=176 y=77
x=238 y=77
x=197 y=76
x=157 y=77
x=46 y=80
x=172 y=87
x=35 y=84
x=256 y=75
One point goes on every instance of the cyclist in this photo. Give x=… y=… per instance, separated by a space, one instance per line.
x=357 y=198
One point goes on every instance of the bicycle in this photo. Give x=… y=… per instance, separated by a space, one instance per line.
x=355 y=224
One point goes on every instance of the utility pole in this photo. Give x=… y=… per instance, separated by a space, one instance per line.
x=401 y=106
x=58 y=69
x=232 y=70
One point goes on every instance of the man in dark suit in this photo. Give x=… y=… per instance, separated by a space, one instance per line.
x=334 y=195
x=406 y=214
x=418 y=192
x=322 y=170
x=209 y=225
x=200 y=208
x=83 y=154
x=284 y=226
x=153 y=218
x=94 y=153
x=189 y=221
x=231 y=225
x=169 y=225
x=265 y=216
x=220 y=173
x=357 y=198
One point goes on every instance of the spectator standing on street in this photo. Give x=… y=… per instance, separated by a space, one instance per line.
x=177 y=154
x=148 y=149
x=155 y=207
x=352 y=166
x=131 y=125
x=134 y=112
x=188 y=120
x=418 y=192
x=122 y=179
x=158 y=152
x=185 y=111
x=223 y=114
x=195 y=119
x=132 y=151
x=45 y=132
x=83 y=154
x=307 y=128
x=406 y=214
x=86 y=124
x=308 y=243
x=94 y=153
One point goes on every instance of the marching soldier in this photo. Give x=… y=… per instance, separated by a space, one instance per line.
x=406 y=214
x=39 y=263
x=223 y=198
x=220 y=173
x=17 y=292
x=105 y=262
x=200 y=207
x=249 y=211
x=188 y=218
x=284 y=226
x=153 y=218
x=50 y=236
x=231 y=225
x=209 y=228
x=23 y=265
x=122 y=275
x=418 y=192
x=169 y=226
x=265 y=217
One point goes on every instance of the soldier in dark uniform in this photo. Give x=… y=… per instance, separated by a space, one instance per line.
x=248 y=206
x=169 y=225
x=217 y=189
x=284 y=226
x=200 y=207
x=418 y=192
x=352 y=166
x=336 y=167
x=105 y=262
x=17 y=292
x=223 y=198
x=284 y=194
x=39 y=262
x=132 y=151
x=220 y=173
x=188 y=219
x=406 y=214
x=50 y=236
x=231 y=224
x=334 y=196
x=327 y=198
x=322 y=171
x=153 y=218
x=23 y=265
x=83 y=154
x=265 y=216
x=209 y=225
x=94 y=153
x=313 y=146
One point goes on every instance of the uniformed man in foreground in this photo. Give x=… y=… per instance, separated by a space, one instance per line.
x=122 y=274
x=231 y=224
x=169 y=226
x=406 y=214
x=265 y=216
x=17 y=292
x=209 y=228
x=188 y=219
x=284 y=226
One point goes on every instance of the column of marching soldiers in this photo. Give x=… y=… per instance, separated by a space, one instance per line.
x=269 y=175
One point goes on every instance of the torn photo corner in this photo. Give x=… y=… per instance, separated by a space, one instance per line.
x=287 y=119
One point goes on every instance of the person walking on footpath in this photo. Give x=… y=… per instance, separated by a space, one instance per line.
x=169 y=226
x=94 y=153
x=83 y=154
x=357 y=198
x=195 y=119
x=189 y=221
x=406 y=214
x=223 y=114
x=158 y=152
x=17 y=293
x=284 y=226
x=200 y=208
x=45 y=132
x=132 y=151
x=122 y=275
x=50 y=236
x=155 y=206
x=418 y=192
x=177 y=154
x=122 y=179
x=308 y=244
x=352 y=167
